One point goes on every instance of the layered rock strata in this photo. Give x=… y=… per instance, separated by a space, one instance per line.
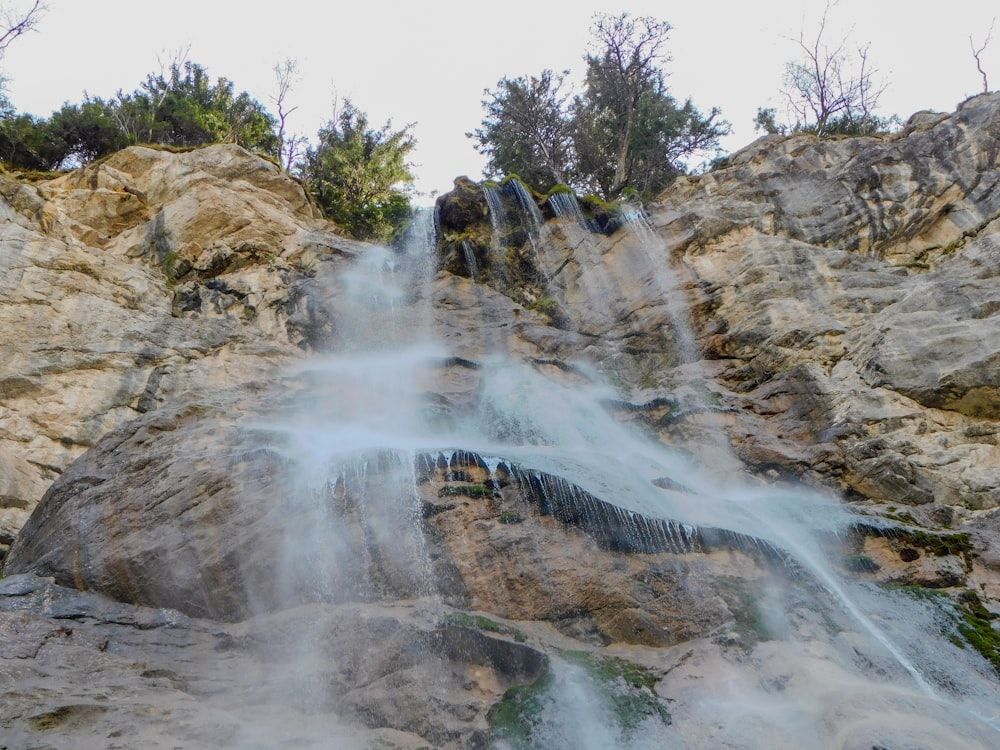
x=817 y=310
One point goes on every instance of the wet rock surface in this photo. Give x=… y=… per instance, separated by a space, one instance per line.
x=818 y=311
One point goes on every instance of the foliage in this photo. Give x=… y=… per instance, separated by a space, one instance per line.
x=624 y=133
x=628 y=689
x=546 y=306
x=23 y=143
x=75 y=134
x=360 y=176
x=766 y=121
x=630 y=133
x=519 y=711
x=479 y=622
x=969 y=622
x=85 y=132
x=466 y=490
x=977 y=629
x=526 y=130
x=183 y=108
x=939 y=545
x=16 y=131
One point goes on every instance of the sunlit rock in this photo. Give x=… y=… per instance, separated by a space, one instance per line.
x=721 y=471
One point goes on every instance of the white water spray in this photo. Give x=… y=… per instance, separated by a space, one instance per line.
x=367 y=405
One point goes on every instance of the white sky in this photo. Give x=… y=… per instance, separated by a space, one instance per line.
x=429 y=62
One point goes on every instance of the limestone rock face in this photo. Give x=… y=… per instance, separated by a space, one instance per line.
x=859 y=305
x=133 y=282
x=156 y=678
x=277 y=495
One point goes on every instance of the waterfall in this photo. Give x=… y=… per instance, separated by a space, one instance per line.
x=499 y=221
x=366 y=447
x=529 y=216
x=470 y=260
x=635 y=221
x=566 y=206
x=357 y=432
x=526 y=202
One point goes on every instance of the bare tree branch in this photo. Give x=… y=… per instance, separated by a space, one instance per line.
x=286 y=76
x=13 y=24
x=977 y=52
x=830 y=84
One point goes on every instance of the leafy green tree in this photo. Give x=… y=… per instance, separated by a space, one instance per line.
x=526 y=130
x=766 y=121
x=623 y=133
x=185 y=108
x=630 y=132
x=85 y=132
x=360 y=176
x=26 y=142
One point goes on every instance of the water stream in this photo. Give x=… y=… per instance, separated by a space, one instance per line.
x=366 y=424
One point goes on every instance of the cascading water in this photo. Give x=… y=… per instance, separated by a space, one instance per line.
x=529 y=216
x=673 y=295
x=499 y=221
x=565 y=206
x=500 y=227
x=470 y=260
x=356 y=438
x=366 y=438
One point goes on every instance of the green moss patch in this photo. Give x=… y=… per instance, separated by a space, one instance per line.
x=934 y=543
x=515 y=716
x=976 y=628
x=971 y=623
x=466 y=490
x=479 y=622
x=629 y=690
x=546 y=306
x=940 y=545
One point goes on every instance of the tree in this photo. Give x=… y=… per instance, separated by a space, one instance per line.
x=978 y=51
x=286 y=75
x=625 y=132
x=183 y=109
x=630 y=133
x=360 y=176
x=85 y=132
x=766 y=120
x=832 y=90
x=526 y=130
x=622 y=82
x=26 y=142
x=189 y=110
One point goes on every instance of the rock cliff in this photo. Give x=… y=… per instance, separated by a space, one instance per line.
x=130 y=283
x=285 y=486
